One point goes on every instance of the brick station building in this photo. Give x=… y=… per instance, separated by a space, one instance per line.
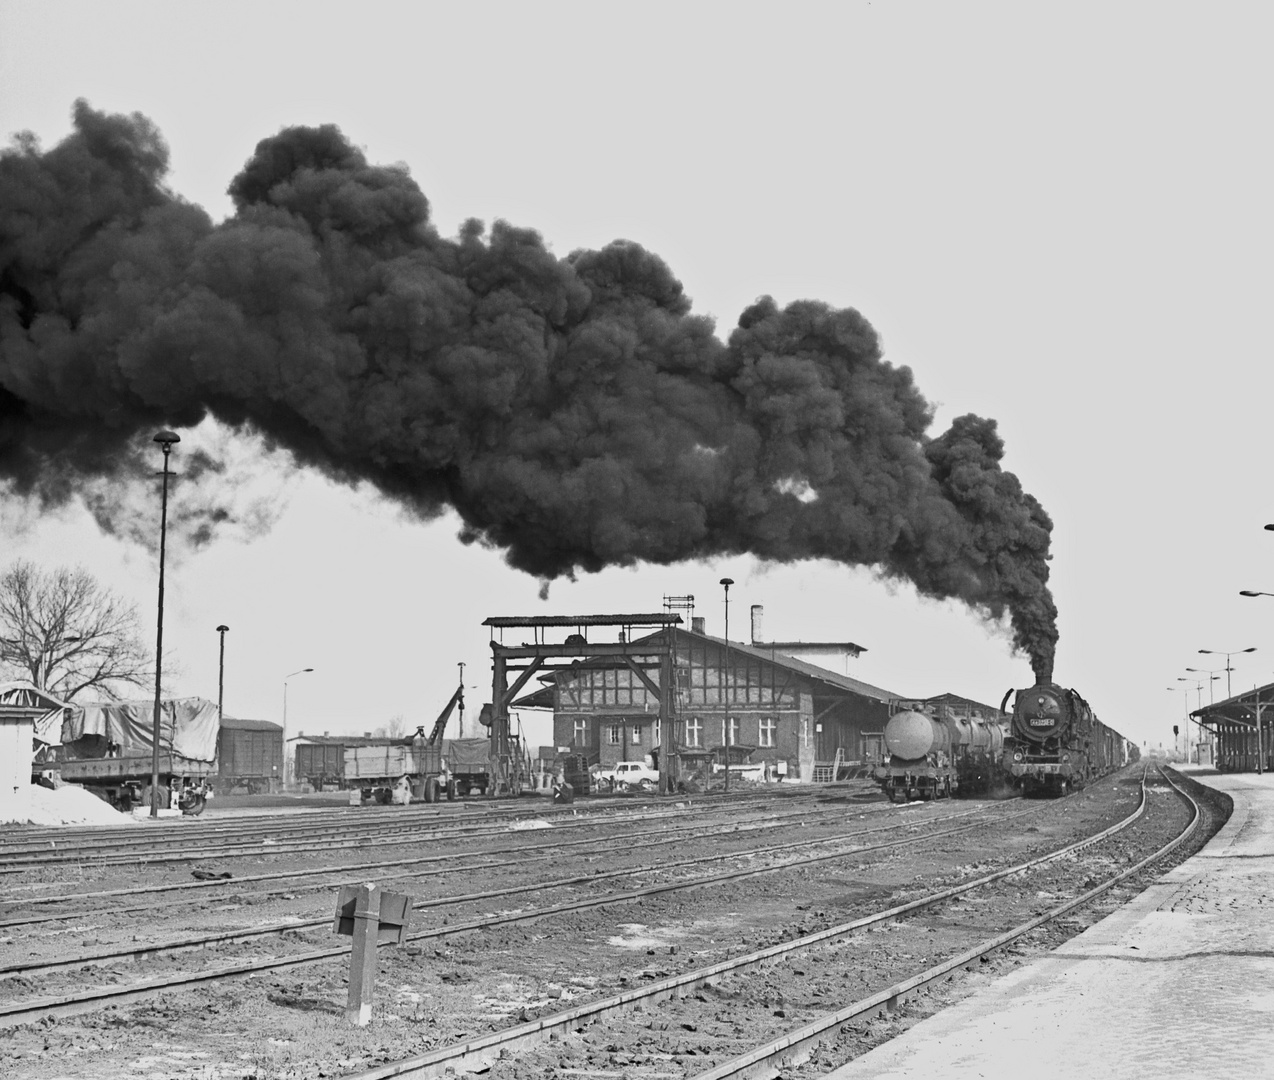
x=801 y=720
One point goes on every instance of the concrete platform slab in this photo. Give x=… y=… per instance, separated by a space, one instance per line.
x=1177 y=983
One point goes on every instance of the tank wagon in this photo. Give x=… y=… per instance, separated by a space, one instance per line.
x=930 y=757
x=1059 y=744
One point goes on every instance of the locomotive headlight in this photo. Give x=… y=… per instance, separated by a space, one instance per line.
x=1017 y=755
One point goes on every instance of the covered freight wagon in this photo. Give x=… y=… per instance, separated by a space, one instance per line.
x=249 y=755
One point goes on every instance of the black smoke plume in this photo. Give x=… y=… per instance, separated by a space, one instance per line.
x=573 y=411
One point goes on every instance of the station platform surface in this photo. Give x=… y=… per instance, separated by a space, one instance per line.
x=1179 y=982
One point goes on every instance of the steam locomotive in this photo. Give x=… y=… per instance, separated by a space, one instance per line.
x=931 y=756
x=1058 y=744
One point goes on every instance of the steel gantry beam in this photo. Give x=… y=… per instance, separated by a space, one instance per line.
x=506 y=756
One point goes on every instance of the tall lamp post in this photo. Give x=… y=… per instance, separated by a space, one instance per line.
x=1227 y=655
x=725 y=699
x=221 y=672
x=1198 y=684
x=166 y=439
x=286 y=770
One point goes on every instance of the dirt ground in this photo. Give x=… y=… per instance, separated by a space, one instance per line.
x=290 y=1024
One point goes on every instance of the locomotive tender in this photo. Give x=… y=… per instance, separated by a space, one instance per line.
x=1059 y=744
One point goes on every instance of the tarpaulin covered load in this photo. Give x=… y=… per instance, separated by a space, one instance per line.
x=467 y=755
x=187 y=727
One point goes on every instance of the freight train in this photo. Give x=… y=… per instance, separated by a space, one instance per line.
x=1058 y=742
x=1051 y=743
x=930 y=756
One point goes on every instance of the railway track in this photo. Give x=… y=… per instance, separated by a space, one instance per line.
x=391 y=869
x=793 y=1045
x=70 y=1004
x=379 y=827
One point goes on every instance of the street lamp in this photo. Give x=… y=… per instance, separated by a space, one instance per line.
x=285 y=723
x=1214 y=677
x=726 y=583
x=1228 y=669
x=221 y=672
x=166 y=439
x=1198 y=684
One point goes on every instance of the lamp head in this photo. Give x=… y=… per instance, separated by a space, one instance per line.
x=166 y=439
x=727 y=582
x=222 y=628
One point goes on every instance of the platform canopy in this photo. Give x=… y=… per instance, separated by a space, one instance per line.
x=1241 y=709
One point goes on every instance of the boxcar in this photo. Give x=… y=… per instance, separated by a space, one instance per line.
x=249 y=755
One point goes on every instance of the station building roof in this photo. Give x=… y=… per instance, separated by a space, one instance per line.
x=543 y=698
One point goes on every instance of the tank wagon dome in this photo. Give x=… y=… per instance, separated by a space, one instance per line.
x=911 y=735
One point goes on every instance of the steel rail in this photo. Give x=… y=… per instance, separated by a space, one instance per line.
x=431 y=862
x=21 y=1012
x=796 y=1046
x=38 y=840
x=773 y=820
x=477 y=1054
x=400 y=832
x=34 y=967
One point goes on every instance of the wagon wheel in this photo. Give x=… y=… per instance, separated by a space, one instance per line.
x=451 y=790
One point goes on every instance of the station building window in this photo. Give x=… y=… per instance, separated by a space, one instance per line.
x=769 y=729
x=694 y=731
x=581 y=732
x=616 y=734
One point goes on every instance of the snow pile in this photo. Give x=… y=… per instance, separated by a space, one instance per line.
x=66 y=806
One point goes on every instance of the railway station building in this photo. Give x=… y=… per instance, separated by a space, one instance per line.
x=750 y=704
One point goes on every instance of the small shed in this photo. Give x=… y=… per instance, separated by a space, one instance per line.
x=25 y=712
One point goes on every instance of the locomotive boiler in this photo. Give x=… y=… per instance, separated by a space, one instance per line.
x=935 y=756
x=1059 y=742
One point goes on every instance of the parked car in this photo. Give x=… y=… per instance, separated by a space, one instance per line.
x=628 y=774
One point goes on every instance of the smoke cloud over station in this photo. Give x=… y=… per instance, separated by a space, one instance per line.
x=573 y=411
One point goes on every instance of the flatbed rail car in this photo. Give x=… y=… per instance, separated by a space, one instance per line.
x=124 y=782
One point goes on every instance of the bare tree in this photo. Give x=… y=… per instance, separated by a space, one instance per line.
x=396 y=727
x=66 y=632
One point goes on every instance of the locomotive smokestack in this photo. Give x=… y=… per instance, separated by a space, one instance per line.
x=572 y=411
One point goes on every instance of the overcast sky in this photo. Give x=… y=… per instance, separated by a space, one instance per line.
x=1056 y=215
